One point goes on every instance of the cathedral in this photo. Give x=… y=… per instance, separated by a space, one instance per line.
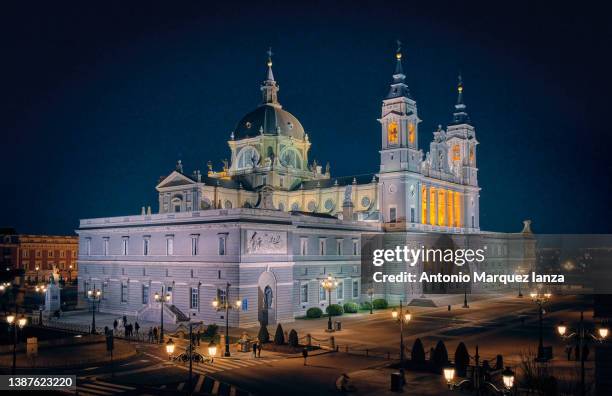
x=271 y=224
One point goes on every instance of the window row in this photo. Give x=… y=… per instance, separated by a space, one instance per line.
x=339 y=291
x=49 y=253
x=146 y=245
x=322 y=247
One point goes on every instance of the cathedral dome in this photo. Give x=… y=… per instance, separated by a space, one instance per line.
x=269 y=119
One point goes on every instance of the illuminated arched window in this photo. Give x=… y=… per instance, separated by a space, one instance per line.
x=392 y=133
x=411 y=132
x=291 y=158
x=441 y=208
x=247 y=158
x=424 y=204
x=458 y=222
x=449 y=207
x=432 y=206
x=456 y=152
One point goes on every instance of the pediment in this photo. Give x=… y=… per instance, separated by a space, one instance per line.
x=175 y=179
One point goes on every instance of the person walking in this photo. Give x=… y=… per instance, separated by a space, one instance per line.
x=137 y=327
x=305 y=354
x=115 y=324
x=124 y=320
x=254 y=350
x=198 y=336
x=150 y=334
x=259 y=349
x=155 y=333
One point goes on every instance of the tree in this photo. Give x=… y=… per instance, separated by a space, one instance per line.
x=293 y=338
x=417 y=355
x=462 y=359
x=440 y=358
x=279 y=336
x=263 y=336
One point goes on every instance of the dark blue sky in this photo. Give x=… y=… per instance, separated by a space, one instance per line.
x=97 y=102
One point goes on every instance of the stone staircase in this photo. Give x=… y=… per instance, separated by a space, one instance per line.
x=172 y=314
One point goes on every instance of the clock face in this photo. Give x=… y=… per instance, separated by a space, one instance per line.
x=392 y=134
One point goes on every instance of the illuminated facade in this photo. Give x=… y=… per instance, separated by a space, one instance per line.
x=273 y=223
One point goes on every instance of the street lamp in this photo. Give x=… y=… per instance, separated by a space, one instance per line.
x=540 y=299
x=225 y=305
x=371 y=294
x=402 y=317
x=41 y=289
x=70 y=273
x=37 y=269
x=94 y=295
x=329 y=284
x=164 y=297
x=212 y=350
x=507 y=380
x=170 y=347
x=519 y=270
x=583 y=335
x=15 y=323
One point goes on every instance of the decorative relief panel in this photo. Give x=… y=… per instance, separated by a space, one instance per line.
x=266 y=242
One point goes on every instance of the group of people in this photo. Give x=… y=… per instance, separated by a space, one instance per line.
x=256 y=349
x=129 y=330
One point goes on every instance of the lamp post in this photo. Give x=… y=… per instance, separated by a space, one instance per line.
x=329 y=284
x=507 y=381
x=226 y=306
x=37 y=270
x=40 y=289
x=170 y=348
x=371 y=294
x=94 y=295
x=402 y=317
x=519 y=271
x=540 y=299
x=15 y=323
x=465 y=302
x=583 y=335
x=70 y=273
x=163 y=298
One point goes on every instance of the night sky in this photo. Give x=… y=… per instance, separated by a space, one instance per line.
x=97 y=102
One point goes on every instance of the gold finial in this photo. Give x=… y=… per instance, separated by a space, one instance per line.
x=269 y=52
x=460 y=84
x=398 y=53
x=460 y=88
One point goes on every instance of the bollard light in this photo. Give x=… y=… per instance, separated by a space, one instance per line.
x=449 y=374
x=508 y=378
x=561 y=329
x=603 y=332
x=170 y=346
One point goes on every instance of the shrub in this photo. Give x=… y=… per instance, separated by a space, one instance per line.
x=314 y=312
x=380 y=303
x=279 y=336
x=263 y=336
x=211 y=330
x=462 y=359
x=293 y=338
x=440 y=357
x=334 y=310
x=365 y=305
x=351 y=307
x=417 y=355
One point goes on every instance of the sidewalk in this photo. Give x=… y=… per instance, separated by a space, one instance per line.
x=377 y=382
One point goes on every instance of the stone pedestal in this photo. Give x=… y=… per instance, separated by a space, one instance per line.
x=52 y=298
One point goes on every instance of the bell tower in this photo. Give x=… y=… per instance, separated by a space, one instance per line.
x=400 y=157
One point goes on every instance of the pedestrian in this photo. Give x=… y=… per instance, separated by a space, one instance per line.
x=105 y=330
x=115 y=324
x=259 y=349
x=124 y=320
x=254 y=350
x=155 y=333
x=305 y=354
x=199 y=335
x=150 y=334
x=137 y=327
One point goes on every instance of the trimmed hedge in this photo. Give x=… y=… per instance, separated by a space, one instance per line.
x=380 y=303
x=293 y=338
x=351 y=307
x=365 y=305
x=263 y=336
x=314 y=312
x=417 y=355
x=334 y=310
x=279 y=336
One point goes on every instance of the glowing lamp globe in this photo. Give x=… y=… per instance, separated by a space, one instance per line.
x=449 y=374
x=394 y=313
x=22 y=322
x=561 y=329
x=170 y=347
x=508 y=378
x=212 y=349
x=603 y=332
x=10 y=319
x=407 y=316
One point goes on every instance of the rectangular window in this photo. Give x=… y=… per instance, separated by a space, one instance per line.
x=321 y=247
x=473 y=222
x=340 y=290
x=62 y=253
x=88 y=246
x=105 y=246
x=221 y=296
x=339 y=247
x=355 y=247
x=392 y=215
x=195 y=298
x=169 y=245
x=145 y=294
x=124 y=292
x=124 y=246
x=222 y=239
x=412 y=215
x=322 y=294
x=194 y=245
x=145 y=246
x=303 y=246
x=50 y=253
x=355 y=289
x=85 y=288
x=104 y=288
x=304 y=293
x=26 y=253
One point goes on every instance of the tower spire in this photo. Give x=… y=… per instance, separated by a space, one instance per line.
x=398 y=86
x=460 y=116
x=269 y=88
